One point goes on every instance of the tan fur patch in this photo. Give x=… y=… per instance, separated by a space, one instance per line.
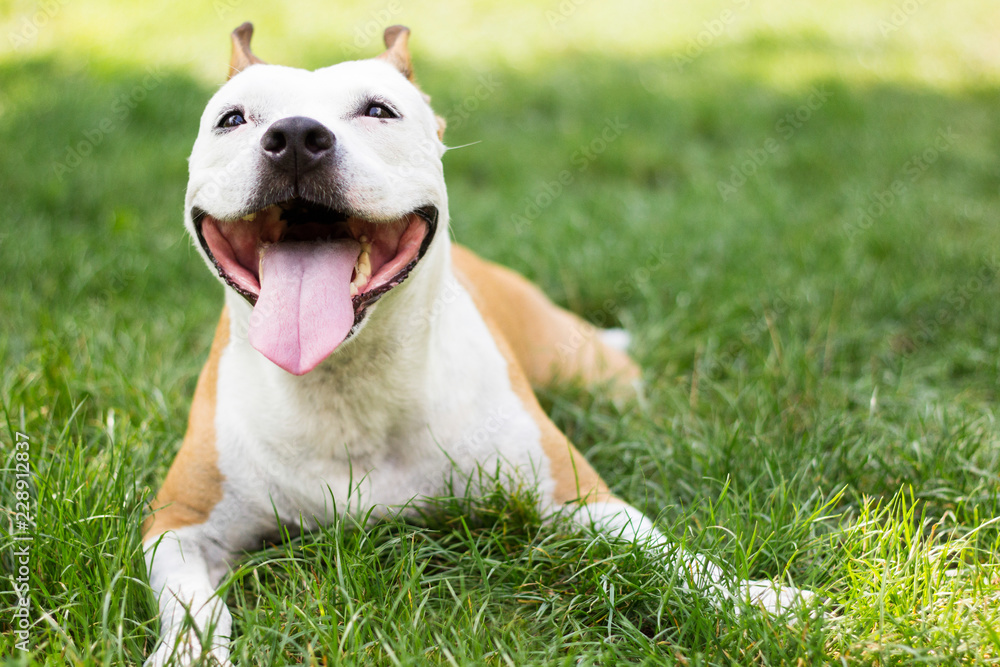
x=551 y=344
x=194 y=484
x=242 y=57
x=496 y=295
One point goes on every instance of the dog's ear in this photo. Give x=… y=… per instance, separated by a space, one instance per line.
x=397 y=52
x=242 y=56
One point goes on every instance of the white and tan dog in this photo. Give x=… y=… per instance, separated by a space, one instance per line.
x=357 y=345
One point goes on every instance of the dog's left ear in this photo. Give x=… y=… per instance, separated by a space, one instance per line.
x=397 y=51
x=242 y=56
x=397 y=54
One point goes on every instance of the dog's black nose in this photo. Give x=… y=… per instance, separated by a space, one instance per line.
x=297 y=144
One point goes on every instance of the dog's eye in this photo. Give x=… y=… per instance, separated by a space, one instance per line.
x=379 y=110
x=232 y=119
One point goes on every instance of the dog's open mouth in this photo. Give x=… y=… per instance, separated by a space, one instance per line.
x=311 y=271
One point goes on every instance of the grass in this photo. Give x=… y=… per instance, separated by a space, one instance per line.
x=822 y=372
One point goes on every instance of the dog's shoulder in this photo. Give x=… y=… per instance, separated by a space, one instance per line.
x=194 y=483
x=550 y=344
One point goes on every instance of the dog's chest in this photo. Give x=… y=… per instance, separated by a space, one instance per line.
x=358 y=435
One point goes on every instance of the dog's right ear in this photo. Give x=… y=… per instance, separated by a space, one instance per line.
x=242 y=56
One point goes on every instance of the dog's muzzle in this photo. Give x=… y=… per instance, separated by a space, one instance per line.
x=311 y=272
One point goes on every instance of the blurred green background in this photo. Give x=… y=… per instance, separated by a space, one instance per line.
x=99 y=103
x=793 y=206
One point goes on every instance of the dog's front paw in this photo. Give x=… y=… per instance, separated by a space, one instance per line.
x=186 y=650
x=778 y=599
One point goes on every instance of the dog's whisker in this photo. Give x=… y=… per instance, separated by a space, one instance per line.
x=455 y=148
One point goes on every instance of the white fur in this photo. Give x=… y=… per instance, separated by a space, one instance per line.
x=188 y=570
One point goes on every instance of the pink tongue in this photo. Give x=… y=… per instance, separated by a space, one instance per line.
x=304 y=310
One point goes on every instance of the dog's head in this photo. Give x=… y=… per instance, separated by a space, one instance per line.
x=312 y=194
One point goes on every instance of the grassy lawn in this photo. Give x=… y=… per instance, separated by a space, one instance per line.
x=792 y=206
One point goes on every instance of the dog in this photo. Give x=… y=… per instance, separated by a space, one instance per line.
x=359 y=350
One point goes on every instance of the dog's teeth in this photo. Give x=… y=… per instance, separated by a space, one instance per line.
x=363 y=240
x=249 y=217
x=362 y=272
